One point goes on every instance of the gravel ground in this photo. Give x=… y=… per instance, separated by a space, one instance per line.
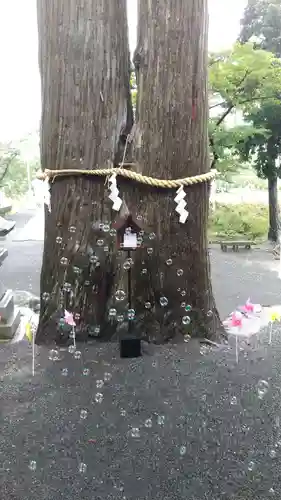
x=174 y=424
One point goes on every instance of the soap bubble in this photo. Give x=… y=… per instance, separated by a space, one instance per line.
x=67 y=287
x=186 y=320
x=93 y=259
x=53 y=355
x=32 y=465
x=64 y=261
x=131 y=314
x=251 y=466
x=62 y=322
x=160 y=420
x=112 y=313
x=148 y=423
x=262 y=388
x=120 y=295
x=169 y=262
x=127 y=265
x=59 y=240
x=83 y=414
x=82 y=468
x=272 y=453
x=163 y=301
x=135 y=432
x=99 y=397
x=179 y=272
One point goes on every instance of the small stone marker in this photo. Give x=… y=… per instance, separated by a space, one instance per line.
x=9 y=315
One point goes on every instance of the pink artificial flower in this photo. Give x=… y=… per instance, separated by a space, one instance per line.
x=236 y=319
x=68 y=318
x=248 y=307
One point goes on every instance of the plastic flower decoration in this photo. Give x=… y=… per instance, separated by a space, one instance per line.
x=275 y=316
x=28 y=332
x=236 y=319
x=68 y=318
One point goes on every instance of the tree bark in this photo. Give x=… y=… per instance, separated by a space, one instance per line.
x=171 y=271
x=273 y=232
x=86 y=110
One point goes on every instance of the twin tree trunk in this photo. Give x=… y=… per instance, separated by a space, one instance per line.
x=85 y=71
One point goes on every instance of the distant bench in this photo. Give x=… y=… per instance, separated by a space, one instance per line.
x=235 y=245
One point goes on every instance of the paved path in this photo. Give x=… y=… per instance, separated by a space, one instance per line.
x=235 y=276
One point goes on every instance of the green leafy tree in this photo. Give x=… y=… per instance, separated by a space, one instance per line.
x=265 y=151
x=262 y=23
x=242 y=77
x=13 y=172
x=227 y=146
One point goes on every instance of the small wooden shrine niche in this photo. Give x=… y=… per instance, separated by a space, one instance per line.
x=128 y=232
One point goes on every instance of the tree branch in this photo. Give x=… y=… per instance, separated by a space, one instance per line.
x=12 y=157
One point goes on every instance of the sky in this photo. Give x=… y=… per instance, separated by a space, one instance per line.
x=20 y=100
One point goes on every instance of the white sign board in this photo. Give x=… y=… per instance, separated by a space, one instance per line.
x=130 y=240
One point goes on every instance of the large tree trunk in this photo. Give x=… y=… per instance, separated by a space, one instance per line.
x=84 y=64
x=171 y=272
x=273 y=232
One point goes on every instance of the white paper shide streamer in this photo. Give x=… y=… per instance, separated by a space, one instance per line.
x=181 y=204
x=114 y=193
x=47 y=194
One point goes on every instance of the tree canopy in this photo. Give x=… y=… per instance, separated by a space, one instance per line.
x=261 y=22
x=243 y=77
x=240 y=79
